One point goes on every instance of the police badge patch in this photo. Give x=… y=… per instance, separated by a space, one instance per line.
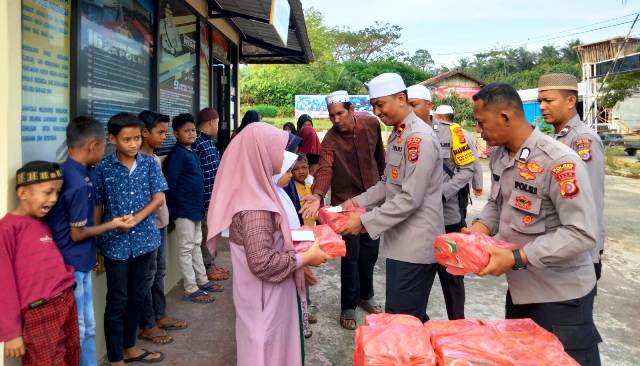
x=583 y=146
x=413 y=149
x=565 y=175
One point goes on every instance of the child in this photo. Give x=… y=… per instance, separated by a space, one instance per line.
x=154 y=320
x=280 y=181
x=39 y=320
x=128 y=183
x=303 y=186
x=186 y=208
x=71 y=221
x=209 y=157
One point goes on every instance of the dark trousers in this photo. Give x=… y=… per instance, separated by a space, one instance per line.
x=452 y=286
x=408 y=288
x=356 y=270
x=207 y=257
x=127 y=288
x=155 y=303
x=571 y=321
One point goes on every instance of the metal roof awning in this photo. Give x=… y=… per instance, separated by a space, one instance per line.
x=260 y=43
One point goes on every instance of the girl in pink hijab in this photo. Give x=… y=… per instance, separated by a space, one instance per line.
x=267 y=272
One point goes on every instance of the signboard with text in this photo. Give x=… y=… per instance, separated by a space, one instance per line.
x=316 y=107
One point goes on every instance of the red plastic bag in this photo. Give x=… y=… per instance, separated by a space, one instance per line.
x=440 y=328
x=465 y=253
x=477 y=345
x=393 y=345
x=330 y=242
x=337 y=220
x=529 y=343
x=374 y=320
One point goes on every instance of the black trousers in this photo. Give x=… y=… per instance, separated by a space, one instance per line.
x=127 y=288
x=408 y=288
x=452 y=286
x=356 y=270
x=571 y=321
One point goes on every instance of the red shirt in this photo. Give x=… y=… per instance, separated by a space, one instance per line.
x=31 y=269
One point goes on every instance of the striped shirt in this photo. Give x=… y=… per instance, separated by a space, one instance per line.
x=209 y=157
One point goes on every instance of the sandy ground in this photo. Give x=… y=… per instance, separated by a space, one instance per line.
x=211 y=340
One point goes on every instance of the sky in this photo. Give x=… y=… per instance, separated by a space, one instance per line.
x=453 y=29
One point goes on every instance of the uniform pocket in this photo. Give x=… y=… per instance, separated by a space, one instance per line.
x=526 y=214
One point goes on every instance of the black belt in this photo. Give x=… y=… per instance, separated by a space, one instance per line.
x=41 y=302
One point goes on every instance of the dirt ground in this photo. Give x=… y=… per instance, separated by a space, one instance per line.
x=210 y=340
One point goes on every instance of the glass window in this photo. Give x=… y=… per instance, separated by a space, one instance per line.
x=205 y=64
x=115 y=53
x=45 y=79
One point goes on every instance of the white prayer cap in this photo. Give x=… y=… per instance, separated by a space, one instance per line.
x=339 y=96
x=419 y=91
x=431 y=112
x=444 y=109
x=385 y=84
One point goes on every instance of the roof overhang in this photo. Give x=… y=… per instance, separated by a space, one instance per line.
x=259 y=41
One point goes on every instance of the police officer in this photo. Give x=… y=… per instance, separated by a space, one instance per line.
x=406 y=205
x=458 y=171
x=541 y=200
x=558 y=96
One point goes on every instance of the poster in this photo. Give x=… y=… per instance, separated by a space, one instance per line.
x=114 y=57
x=205 y=65
x=45 y=79
x=316 y=106
x=177 y=66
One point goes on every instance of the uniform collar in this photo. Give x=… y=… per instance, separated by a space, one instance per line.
x=573 y=123
x=526 y=150
x=77 y=166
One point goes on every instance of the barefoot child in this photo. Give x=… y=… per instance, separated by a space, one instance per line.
x=39 y=321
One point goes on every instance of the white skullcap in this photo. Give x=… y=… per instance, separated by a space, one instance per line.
x=419 y=91
x=385 y=84
x=339 y=96
x=444 y=109
x=431 y=112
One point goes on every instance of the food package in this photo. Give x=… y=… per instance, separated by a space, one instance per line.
x=336 y=217
x=330 y=242
x=475 y=345
x=374 y=320
x=440 y=328
x=465 y=253
x=529 y=343
x=393 y=345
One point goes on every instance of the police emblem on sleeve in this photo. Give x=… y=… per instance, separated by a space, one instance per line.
x=565 y=176
x=583 y=146
x=413 y=149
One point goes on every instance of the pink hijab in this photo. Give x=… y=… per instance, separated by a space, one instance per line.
x=243 y=183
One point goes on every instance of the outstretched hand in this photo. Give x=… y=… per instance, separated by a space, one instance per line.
x=310 y=205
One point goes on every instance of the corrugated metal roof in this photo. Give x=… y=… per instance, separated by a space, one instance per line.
x=259 y=41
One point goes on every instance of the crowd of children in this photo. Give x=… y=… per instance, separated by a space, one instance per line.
x=122 y=205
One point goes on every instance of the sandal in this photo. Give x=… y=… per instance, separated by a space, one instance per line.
x=200 y=297
x=159 y=338
x=211 y=287
x=217 y=275
x=143 y=357
x=221 y=269
x=174 y=324
x=348 y=319
x=370 y=306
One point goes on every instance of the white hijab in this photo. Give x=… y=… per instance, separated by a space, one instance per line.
x=292 y=215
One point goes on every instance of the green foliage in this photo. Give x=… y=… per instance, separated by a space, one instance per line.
x=619 y=87
x=544 y=127
x=462 y=107
x=378 y=41
x=266 y=110
x=365 y=71
x=421 y=59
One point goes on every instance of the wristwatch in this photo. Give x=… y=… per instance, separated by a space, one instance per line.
x=519 y=264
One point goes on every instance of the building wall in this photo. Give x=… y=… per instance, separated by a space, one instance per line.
x=457 y=80
x=11 y=148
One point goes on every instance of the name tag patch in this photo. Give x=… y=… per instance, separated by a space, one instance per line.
x=526 y=187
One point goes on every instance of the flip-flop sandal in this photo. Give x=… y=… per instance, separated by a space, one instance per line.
x=153 y=338
x=217 y=276
x=222 y=269
x=370 y=306
x=175 y=325
x=142 y=358
x=211 y=287
x=199 y=297
x=347 y=315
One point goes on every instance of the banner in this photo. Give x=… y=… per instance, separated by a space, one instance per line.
x=316 y=107
x=45 y=79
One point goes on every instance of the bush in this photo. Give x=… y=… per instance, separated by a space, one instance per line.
x=286 y=111
x=266 y=110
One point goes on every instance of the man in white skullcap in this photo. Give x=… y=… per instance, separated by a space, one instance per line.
x=420 y=100
x=351 y=161
x=406 y=205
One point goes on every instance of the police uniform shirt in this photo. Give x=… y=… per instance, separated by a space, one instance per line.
x=406 y=205
x=541 y=200
x=462 y=175
x=590 y=148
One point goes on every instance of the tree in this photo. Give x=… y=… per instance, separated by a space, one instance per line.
x=619 y=87
x=421 y=59
x=365 y=71
x=379 y=41
x=569 y=53
x=549 y=54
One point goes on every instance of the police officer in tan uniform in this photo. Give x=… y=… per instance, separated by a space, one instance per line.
x=406 y=205
x=541 y=200
x=558 y=96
